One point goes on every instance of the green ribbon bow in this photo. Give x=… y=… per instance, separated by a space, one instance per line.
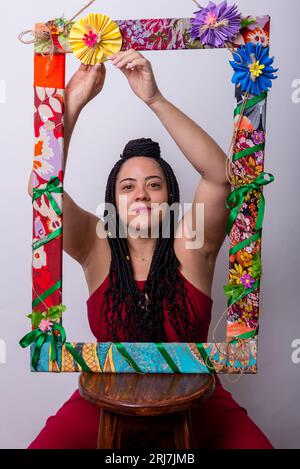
x=51 y=186
x=236 y=199
x=39 y=336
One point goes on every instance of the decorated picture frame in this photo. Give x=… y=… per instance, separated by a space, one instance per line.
x=247 y=39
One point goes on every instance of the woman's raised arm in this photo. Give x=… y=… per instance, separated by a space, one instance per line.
x=79 y=225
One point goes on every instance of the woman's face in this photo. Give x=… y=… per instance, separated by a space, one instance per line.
x=141 y=187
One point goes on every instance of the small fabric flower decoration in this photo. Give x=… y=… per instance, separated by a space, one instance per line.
x=95 y=37
x=253 y=70
x=216 y=24
x=46 y=325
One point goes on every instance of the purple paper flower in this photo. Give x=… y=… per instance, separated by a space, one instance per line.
x=258 y=137
x=216 y=24
x=247 y=281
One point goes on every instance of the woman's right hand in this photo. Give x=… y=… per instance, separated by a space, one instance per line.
x=85 y=85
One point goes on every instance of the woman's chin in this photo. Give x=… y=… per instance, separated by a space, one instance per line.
x=143 y=230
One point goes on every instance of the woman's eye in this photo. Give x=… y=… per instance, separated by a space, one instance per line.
x=153 y=184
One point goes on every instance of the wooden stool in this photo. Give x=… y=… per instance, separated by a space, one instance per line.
x=144 y=405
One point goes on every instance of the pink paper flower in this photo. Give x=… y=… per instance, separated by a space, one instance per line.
x=45 y=325
x=90 y=39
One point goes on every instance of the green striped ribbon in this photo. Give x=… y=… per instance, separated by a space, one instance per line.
x=246 y=242
x=159 y=347
x=47 y=293
x=167 y=357
x=205 y=357
x=49 y=237
x=237 y=197
x=233 y=299
x=52 y=186
x=127 y=357
x=248 y=151
x=78 y=358
x=246 y=335
x=250 y=103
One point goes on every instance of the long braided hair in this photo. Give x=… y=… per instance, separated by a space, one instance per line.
x=145 y=323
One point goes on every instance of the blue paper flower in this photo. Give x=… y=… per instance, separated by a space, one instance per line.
x=253 y=70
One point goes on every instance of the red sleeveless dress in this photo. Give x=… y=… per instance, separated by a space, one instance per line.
x=227 y=424
x=201 y=302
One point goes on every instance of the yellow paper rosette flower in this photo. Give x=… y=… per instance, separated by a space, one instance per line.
x=95 y=37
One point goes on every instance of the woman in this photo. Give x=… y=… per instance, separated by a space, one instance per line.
x=149 y=288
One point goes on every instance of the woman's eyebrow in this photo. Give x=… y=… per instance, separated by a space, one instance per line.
x=146 y=178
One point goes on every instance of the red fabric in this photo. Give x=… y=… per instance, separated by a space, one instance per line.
x=201 y=302
x=219 y=422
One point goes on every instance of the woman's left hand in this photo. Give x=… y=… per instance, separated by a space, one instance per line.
x=139 y=74
x=86 y=83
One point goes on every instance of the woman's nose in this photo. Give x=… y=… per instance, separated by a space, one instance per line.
x=142 y=194
x=142 y=197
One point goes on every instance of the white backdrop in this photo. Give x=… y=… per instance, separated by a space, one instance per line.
x=198 y=82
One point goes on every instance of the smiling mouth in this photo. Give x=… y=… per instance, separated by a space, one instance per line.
x=143 y=209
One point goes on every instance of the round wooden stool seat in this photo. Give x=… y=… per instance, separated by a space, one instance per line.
x=132 y=402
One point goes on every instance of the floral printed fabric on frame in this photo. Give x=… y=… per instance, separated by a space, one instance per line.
x=47 y=219
x=165 y=34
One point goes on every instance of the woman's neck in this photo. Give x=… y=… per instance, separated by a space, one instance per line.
x=141 y=249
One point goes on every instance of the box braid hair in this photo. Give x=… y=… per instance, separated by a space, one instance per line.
x=145 y=323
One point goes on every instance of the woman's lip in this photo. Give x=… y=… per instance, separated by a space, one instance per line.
x=144 y=209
